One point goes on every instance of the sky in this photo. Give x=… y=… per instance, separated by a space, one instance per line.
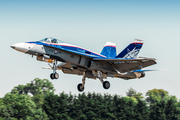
x=90 y=24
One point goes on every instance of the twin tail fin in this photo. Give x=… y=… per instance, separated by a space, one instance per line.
x=109 y=50
x=132 y=50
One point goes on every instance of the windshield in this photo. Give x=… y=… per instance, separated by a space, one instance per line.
x=51 y=40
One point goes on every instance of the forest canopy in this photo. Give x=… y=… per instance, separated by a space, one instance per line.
x=37 y=100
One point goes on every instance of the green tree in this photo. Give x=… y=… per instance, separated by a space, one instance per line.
x=155 y=95
x=6 y=113
x=124 y=107
x=1 y=101
x=39 y=100
x=92 y=106
x=37 y=86
x=166 y=109
x=38 y=89
x=142 y=110
x=56 y=106
x=22 y=104
x=133 y=93
x=23 y=107
x=44 y=104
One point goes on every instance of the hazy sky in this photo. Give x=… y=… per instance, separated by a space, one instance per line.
x=89 y=24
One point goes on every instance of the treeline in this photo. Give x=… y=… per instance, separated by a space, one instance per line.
x=37 y=101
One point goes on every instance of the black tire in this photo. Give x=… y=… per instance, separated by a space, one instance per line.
x=79 y=87
x=56 y=76
x=52 y=76
x=106 y=85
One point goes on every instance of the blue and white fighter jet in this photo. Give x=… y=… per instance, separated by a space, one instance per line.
x=76 y=60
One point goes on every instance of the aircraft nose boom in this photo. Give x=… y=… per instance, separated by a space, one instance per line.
x=22 y=47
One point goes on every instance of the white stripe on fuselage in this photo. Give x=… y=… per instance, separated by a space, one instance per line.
x=70 y=45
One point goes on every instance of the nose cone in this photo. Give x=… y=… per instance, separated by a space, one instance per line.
x=22 y=47
x=12 y=46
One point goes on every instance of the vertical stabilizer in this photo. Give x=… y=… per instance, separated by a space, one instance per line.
x=132 y=50
x=109 y=50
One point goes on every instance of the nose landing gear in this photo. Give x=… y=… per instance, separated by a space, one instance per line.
x=54 y=75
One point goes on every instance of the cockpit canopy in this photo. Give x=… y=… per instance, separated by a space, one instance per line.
x=51 y=40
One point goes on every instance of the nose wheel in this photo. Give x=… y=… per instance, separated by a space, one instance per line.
x=54 y=75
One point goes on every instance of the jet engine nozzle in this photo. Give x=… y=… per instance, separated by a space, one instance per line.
x=142 y=75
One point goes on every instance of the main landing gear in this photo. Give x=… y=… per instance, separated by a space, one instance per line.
x=80 y=86
x=105 y=84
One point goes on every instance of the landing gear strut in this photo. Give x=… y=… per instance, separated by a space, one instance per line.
x=106 y=84
x=55 y=75
x=80 y=86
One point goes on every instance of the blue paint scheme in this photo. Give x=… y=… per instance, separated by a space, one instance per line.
x=109 y=51
x=140 y=70
x=72 y=49
x=132 y=47
x=114 y=59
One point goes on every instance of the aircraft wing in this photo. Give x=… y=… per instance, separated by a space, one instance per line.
x=123 y=65
x=122 y=59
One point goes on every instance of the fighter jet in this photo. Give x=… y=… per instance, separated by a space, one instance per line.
x=72 y=59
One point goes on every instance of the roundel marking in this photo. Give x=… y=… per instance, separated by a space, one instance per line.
x=55 y=51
